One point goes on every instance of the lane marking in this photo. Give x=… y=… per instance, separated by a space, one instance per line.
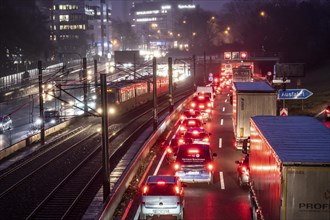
x=160 y=163
x=223 y=109
x=220 y=142
x=226 y=100
x=222 y=182
x=221 y=122
x=228 y=94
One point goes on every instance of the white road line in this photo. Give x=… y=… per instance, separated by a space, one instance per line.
x=221 y=122
x=220 y=142
x=160 y=163
x=223 y=109
x=222 y=182
x=226 y=100
x=228 y=94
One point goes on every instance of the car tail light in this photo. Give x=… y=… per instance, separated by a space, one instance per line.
x=176 y=190
x=169 y=150
x=209 y=104
x=182 y=128
x=182 y=117
x=145 y=189
x=161 y=182
x=327 y=110
x=193 y=151
x=176 y=166
x=206 y=139
x=201 y=106
x=181 y=141
x=208 y=110
x=210 y=167
x=244 y=169
x=193 y=104
x=195 y=132
x=191 y=122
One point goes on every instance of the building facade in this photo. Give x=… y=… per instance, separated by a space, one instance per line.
x=81 y=27
x=154 y=21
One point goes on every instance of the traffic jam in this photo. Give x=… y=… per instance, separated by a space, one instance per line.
x=198 y=155
x=230 y=156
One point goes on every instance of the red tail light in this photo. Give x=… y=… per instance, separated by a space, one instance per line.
x=145 y=189
x=195 y=132
x=210 y=167
x=193 y=104
x=202 y=106
x=244 y=169
x=182 y=117
x=206 y=139
x=160 y=182
x=209 y=104
x=193 y=151
x=182 y=128
x=327 y=110
x=176 y=190
x=176 y=166
x=169 y=150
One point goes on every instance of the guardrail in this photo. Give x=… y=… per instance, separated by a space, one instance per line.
x=125 y=180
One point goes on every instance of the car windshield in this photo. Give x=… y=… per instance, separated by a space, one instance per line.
x=161 y=189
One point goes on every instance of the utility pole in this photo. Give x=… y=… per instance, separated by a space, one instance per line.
x=105 y=139
x=85 y=84
x=170 y=85
x=95 y=74
x=194 y=66
x=204 y=74
x=155 y=113
x=41 y=105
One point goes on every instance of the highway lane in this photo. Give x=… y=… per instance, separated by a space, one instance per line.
x=223 y=199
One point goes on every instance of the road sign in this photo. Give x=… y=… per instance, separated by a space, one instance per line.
x=279 y=81
x=211 y=78
x=283 y=111
x=294 y=94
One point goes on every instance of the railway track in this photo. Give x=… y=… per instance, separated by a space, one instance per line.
x=61 y=181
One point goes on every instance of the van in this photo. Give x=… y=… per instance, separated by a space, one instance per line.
x=206 y=90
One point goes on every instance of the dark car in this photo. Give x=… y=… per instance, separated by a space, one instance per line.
x=327 y=113
x=52 y=117
x=196 y=136
x=191 y=113
x=243 y=171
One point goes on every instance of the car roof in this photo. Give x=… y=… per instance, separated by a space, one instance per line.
x=166 y=178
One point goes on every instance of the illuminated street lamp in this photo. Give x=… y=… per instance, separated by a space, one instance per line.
x=262 y=13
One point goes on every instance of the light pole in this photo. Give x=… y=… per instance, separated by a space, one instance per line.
x=155 y=113
x=41 y=105
x=170 y=85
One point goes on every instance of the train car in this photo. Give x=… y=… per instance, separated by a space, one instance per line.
x=126 y=95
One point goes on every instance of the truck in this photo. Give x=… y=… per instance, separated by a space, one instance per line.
x=289 y=164
x=242 y=74
x=250 y=99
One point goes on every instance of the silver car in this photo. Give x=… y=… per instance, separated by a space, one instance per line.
x=162 y=195
x=5 y=123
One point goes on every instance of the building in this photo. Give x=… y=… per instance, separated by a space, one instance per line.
x=154 y=22
x=81 y=27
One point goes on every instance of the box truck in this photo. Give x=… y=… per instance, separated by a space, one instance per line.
x=250 y=99
x=289 y=168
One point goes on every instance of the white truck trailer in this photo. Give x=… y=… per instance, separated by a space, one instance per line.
x=250 y=99
x=289 y=168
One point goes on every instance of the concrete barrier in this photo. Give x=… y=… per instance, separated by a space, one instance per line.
x=34 y=138
x=125 y=180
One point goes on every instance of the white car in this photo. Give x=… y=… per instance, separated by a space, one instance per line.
x=162 y=195
x=194 y=163
x=5 y=123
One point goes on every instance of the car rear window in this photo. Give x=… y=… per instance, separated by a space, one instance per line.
x=193 y=155
x=155 y=189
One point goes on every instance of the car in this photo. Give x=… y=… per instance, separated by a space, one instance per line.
x=327 y=113
x=191 y=113
x=52 y=116
x=194 y=163
x=162 y=195
x=202 y=103
x=243 y=171
x=196 y=135
x=189 y=123
x=172 y=147
x=5 y=123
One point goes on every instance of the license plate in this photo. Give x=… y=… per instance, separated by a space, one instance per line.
x=161 y=211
